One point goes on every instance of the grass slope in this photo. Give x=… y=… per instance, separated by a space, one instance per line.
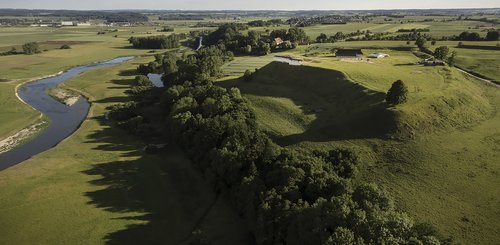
x=449 y=151
x=98 y=186
x=314 y=101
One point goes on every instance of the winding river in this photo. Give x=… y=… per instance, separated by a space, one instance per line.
x=64 y=120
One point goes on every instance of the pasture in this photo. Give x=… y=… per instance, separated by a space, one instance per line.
x=433 y=153
x=438 y=147
x=99 y=186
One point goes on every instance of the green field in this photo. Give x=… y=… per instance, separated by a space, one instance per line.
x=446 y=145
x=238 y=66
x=99 y=186
x=433 y=153
x=16 y=69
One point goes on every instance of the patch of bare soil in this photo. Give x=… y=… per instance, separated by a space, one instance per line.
x=14 y=140
x=64 y=96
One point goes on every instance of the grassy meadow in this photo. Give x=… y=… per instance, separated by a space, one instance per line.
x=87 y=47
x=433 y=153
x=99 y=186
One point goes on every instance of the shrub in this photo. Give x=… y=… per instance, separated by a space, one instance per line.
x=143 y=81
x=65 y=46
x=31 y=48
x=247 y=77
x=397 y=94
x=441 y=53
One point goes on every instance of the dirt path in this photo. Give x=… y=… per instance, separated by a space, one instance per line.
x=479 y=78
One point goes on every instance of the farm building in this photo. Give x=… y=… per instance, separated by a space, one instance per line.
x=278 y=41
x=349 y=53
x=67 y=23
x=83 y=24
x=289 y=60
x=377 y=55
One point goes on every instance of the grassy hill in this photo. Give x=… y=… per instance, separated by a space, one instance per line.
x=314 y=104
x=433 y=153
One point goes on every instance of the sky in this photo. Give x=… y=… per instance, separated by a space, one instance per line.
x=247 y=4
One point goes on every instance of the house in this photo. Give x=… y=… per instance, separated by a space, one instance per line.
x=289 y=60
x=349 y=53
x=278 y=41
x=377 y=55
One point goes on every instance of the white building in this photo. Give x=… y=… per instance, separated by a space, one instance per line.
x=83 y=24
x=67 y=23
x=377 y=55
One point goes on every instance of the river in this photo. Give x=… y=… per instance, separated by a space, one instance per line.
x=64 y=120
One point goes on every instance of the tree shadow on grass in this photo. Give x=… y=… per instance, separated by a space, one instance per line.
x=342 y=109
x=128 y=73
x=161 y=199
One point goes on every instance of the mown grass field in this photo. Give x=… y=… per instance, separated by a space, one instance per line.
x=450 y=144
x=240 y=64
x=98 y=186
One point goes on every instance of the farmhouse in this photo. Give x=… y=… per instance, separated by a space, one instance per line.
x=377 y=55
x=289 y=60
x=278 y=41
x=349 y=53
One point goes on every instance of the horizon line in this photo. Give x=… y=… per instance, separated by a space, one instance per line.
x=252 y=10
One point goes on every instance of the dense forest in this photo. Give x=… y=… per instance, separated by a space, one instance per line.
x=233 y=37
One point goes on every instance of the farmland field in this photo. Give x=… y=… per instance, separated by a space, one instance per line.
x=436 y=155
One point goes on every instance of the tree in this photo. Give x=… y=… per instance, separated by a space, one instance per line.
x=452 y=59
x=265 y=49
x=397 y=94
x=247 y=49
x=322 y=38
x=31 y=48
x=143 y=81
x=65 y=46
x=441 y=53
x=248 y=76
x=492 y=35
x=421 y=41
x=469 y=36
x=433 y=42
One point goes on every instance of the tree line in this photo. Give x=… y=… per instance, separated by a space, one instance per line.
x=156 y=42
x=287 y=196
x=234 y=39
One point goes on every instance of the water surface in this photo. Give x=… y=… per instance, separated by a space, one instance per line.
x=64 y=120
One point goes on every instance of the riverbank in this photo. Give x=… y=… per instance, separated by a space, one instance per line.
x=64 y=119
x=112 y=191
